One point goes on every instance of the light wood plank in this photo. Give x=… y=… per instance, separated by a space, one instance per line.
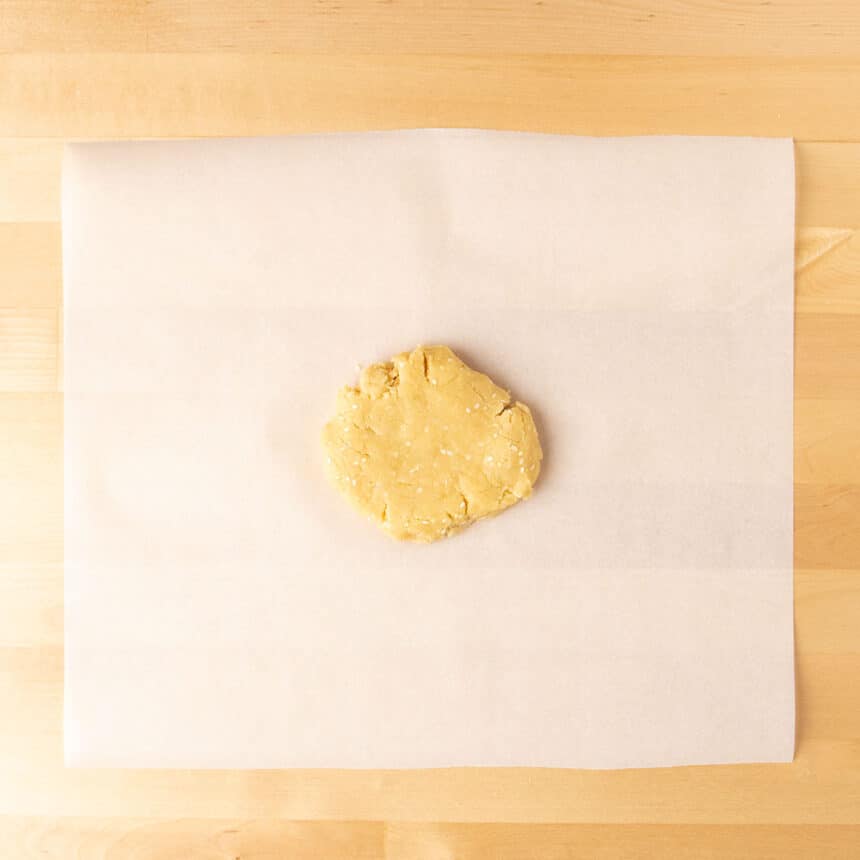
x=200 y=839
x=29 y=265
x=827 y=606
x=31 y=522
x=827 y=526
x=407 y=841
x=29 y=179
x=31 y=434
x=827 y=707
x=31 y=605
x=188 y=839
x=827 y=441
x=812 y=243
x=129 y=95
x=28 y=349
x=687 y=27
x=31 y=680
x=828 y=179
x=822 y=786
x=830 y=283
x=827 y=356
x=31 y=477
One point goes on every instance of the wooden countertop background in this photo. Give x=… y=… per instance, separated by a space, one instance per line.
x=163 y=68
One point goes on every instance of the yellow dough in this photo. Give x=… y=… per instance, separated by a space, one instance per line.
x=425 y=445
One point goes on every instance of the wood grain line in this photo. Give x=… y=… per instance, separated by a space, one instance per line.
x=30 y=179
x=30 y=265
x=407 y=841
x=188 y=839
x=61 y=838
x=28 y=349
x=724 y=28
x=827 y=606
x=827 y=441
x=31 y=606
x=828 y=181
x=830 y=282
x=827 y=356
x=827 y=526
x=145 y=95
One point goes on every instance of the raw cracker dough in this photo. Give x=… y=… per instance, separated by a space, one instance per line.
x=425 y=445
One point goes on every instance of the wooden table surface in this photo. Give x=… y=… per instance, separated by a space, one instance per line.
x=163 y=68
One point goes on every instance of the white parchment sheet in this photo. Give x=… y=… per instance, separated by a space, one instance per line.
x=226 y=608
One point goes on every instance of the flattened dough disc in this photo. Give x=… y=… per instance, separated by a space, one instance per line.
x=425 y=445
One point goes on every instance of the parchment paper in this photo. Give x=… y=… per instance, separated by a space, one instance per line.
x=225 y=608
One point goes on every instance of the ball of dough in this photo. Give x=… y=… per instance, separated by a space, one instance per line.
x=425 y=445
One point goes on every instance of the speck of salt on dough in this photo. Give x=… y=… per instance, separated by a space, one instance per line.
x=405 y=426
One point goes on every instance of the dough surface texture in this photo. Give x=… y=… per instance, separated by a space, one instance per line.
x=425 y=445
